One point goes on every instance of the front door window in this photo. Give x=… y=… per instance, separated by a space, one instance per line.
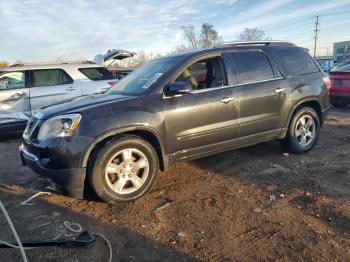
x=207 y=73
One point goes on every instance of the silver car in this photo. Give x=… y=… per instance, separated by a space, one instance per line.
x=24 y=89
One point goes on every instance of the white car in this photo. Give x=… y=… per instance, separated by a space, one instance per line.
x=26 y=88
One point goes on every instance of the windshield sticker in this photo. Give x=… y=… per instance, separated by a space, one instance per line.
x=152 y=80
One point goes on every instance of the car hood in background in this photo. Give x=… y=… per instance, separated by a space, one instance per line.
x=112 y=55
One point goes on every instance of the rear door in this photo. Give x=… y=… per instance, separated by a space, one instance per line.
x=262 y=95
x=51 y=86
x=14 y=97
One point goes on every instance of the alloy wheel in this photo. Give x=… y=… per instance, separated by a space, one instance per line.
x=305 y=130
x=127 y=171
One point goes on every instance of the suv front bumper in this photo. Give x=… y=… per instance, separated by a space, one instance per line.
x=69 y=181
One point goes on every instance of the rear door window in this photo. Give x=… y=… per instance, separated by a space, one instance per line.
x=252 y=66
x=97 y=73
x=12 y=80
x=296 y=61
x=49 y=77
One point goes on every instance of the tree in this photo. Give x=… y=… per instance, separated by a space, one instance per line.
x=190 y=34
x=178 y=49
x=4 y=64
x=252 y=34
x=208 y=37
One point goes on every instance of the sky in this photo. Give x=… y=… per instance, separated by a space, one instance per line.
x=39 y=30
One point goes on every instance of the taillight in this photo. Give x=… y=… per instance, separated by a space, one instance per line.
x=111 y=83
x=327 y=82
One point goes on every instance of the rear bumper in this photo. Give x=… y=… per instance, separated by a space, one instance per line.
x=339 y=98
x=69 y=181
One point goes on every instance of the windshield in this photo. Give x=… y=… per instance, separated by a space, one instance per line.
x=143 y=78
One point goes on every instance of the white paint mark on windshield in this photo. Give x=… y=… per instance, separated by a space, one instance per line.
x=152 y=80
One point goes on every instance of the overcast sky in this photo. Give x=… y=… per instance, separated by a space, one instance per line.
x=38 y=30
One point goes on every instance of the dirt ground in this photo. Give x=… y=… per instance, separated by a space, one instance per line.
x=251 y=204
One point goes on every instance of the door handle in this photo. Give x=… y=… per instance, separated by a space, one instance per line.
x=280 y=90
x=17 y=95
x=70 y=89
x=226 y=100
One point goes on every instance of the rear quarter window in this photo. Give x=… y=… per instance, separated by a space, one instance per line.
x=252 y=66
x=97 y=73
x=295 y=61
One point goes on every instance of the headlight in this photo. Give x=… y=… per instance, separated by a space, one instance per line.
x=59 y=126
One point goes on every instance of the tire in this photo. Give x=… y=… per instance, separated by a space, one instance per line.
x=339 y=104
x=301 y=139
x=124 y=169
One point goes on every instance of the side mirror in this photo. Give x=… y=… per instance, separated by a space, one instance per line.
x=178 y=88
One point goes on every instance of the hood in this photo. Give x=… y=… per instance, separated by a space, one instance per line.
x=112 y=55
x=78 y=104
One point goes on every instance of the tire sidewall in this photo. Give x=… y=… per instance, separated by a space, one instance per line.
x=293 y=142
x=97 y=178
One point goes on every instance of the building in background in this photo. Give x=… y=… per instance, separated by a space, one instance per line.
x=341 y=52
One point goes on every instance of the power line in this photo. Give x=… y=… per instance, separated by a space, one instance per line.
x=336 y=13
x=302 y=20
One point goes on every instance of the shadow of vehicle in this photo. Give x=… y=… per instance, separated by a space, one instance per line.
x=127 y=244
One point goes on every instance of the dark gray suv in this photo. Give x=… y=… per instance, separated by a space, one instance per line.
x=179 y=108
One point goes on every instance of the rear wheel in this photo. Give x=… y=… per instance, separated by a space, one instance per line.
x=303 y=131
x=124 y=169
x=339 y=104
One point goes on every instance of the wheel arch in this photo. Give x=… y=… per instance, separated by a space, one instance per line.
x=144 y=132
x=314 y=103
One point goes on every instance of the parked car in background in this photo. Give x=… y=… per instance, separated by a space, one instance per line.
x=340 y=86
x=179 y=108
x=344 y=63
x=120 y=73
x=25 y=88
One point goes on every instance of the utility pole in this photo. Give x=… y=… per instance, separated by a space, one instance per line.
x=317 y=24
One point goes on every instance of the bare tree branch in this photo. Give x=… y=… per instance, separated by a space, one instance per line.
x=252 y=34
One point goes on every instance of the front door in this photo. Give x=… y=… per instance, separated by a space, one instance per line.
x=14 y=97
x=205 y=120
x=52 y=86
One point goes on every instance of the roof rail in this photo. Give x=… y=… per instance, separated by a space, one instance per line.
x=53 y=63
x=265 y=43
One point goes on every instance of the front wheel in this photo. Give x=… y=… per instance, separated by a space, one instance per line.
x=303 y=131
x=124 y=169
